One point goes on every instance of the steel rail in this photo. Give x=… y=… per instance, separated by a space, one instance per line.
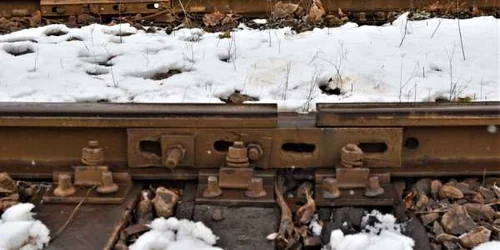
x=408 y=114
x=396 y=136
x=135 y=110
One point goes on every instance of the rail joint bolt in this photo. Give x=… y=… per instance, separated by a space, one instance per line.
x=351 y=155
x=373 y=188
x=255 y=151
x=256 y=188
x=64 y=186
x=237 y=155
x=330 y=188
x=107 y=185
x=175 y=154
x=213 y=189
x=92 y=155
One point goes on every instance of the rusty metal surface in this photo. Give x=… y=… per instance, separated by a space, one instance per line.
x=408 y=114
x=144 y=174
x=370 y=10
x=58 y=147
x=226 y=6
x=297 y=147
x=238 y=178
x=93 y=226
x=355 y=197
x=136 y=115
x=285 y=139
x=123 y=180
x=232 y=196
x=9 y=8
x=451 y=146
x=163 y=110
x=352 y=177
x=49 y=8
x=88 y=175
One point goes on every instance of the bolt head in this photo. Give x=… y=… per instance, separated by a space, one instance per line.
x=93 y=144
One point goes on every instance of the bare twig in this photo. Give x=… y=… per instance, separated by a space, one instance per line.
x=36 y=59
x=460 y=33
x=120 y=20
x=450 y=64
x=186 y=20
x=415 y=92
x=72 y=215
x=270 y=39
x=461 y=40
x=115 y=84
x=437 y=27
x=403 y=84
x=337 y=64
x=285 y=89
x=401 y=77
x=404 y=34
x=432 y=211
x=310 y=91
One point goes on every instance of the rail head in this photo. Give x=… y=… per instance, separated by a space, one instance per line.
x=137 y=115
x=407 y=114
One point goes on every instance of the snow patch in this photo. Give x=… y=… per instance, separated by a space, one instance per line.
x=273 y=65
x=19 y=48
x=190 y=35
x=381 y=232
x=492 y=245
x=383 y=222
x=124 y=29
x=315 y=226
x=19 y=230
x=174 y=234
x=20 y=212
x=56 y=30
x=260 y=21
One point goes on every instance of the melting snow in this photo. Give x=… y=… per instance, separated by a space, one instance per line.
x=383 y=235
x=19 y=230
x=402 y=61
x=492 y=245
x=174 y=234
x=315 y=226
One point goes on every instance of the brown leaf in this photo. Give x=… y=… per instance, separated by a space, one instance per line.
x=213 y=19
x=8 y=201
x=282 y=10
x=7 y=185
x=316 y=12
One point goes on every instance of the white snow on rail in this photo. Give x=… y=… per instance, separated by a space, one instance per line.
x=399 y=62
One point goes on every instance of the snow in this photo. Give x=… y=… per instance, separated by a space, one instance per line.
x=315 y=226
x=492 y=245
x=259 y=21
x=19 y=230
x=368 y=63
x=387 y=222
x=174 y=234
x=383 y=235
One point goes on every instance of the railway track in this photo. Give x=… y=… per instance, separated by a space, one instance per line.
x=231 y=155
